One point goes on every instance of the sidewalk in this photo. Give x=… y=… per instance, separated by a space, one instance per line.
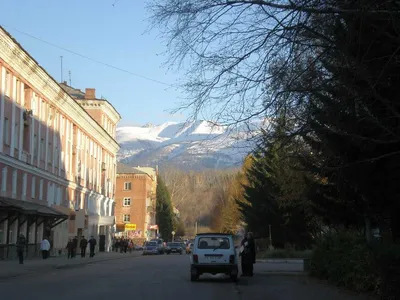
x=11 y=269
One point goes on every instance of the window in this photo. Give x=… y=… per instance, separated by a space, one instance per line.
x=127 y=186
x=4 y=179
x=50 y=153
x=16 y=134
x=42 y=149
x=6 y=134
x=127 y=218
x=8 y=84
x=41 y=189
x=127 y=202
x=35 y=146
x=14 y=181
x=212 y=242
x=24 y=181
x=33 y=188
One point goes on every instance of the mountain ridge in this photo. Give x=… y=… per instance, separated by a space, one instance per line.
x=194 y=145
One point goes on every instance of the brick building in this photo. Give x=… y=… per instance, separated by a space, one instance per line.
x=57 y=158
x=135 y=202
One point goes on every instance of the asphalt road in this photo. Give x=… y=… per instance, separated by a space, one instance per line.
x=161 y=277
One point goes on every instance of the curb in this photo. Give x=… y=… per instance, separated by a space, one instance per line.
x=283 y=273
x=286 y=261
x=64 y=266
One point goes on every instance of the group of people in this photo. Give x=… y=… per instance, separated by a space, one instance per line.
x=72 y=246
x=123 y=245
x=45 y=247
x=22 y=243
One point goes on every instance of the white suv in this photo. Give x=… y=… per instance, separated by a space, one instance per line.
x=213 y=253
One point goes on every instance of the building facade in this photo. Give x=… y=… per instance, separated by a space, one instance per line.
x=57 y=161
x=135 y=203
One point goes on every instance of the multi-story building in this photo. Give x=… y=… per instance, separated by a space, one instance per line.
x=135 y=203
x=57 y=157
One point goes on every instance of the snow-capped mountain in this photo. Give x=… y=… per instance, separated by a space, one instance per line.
x=191 y=145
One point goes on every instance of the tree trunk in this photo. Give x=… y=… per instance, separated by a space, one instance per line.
x=368 y=229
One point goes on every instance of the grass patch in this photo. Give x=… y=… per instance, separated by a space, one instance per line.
x=284 y=253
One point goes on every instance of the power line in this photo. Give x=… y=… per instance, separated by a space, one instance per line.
x=89 y=58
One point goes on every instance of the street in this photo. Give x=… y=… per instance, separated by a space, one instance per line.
x=162 y=277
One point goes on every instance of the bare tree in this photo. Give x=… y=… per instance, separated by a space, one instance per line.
x=229 y=49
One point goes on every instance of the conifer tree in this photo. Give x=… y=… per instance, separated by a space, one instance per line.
x=164 y=210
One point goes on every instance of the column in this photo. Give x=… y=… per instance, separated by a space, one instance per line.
x=2 y=93
x=39 y=137
x=13 y=98
x=21 y=119
x=46 y=141
x=32 y=132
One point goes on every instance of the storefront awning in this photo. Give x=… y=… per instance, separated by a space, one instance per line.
x=27 y=208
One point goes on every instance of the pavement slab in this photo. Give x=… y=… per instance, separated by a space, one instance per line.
x=11 y=268
x=164 y=277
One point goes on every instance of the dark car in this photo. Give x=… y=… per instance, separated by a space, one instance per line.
x=174 y=248
x=150 y=248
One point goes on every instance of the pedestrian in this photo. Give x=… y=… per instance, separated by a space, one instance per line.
x=70 y=248
x=130 y=246
x=83 y=246
x=121 y=245
x=75 y=246
x=126 y=244
x=45 y=248
x=21 y=245
x=248 y=254
x=92 y=244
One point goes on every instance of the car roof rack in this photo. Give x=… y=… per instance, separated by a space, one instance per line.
x=213 y=233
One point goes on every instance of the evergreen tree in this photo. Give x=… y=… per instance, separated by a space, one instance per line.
x=164 y=210
x=275 y=195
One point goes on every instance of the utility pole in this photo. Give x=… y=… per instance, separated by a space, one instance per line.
x=61 y=59
x=196 y=227
x=69 y=74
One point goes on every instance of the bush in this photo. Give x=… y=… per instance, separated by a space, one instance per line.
x=388 y=259
x=284 y=253
x=346 y=260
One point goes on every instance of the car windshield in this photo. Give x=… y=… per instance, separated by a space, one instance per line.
x=212 y=242
x=151 y=244
x=173 y=244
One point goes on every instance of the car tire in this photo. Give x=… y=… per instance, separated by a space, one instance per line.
x=194 y=277
x=168 y=253
x=234 y=278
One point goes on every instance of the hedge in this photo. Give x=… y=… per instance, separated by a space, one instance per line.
x=346 y=260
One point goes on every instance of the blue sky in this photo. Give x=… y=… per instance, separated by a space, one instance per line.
x=111 y=34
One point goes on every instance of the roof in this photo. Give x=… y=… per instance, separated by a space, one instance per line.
x=76 y=93
x=29 y=208
x=125 y=169
x=79 y=95
x=213 y=233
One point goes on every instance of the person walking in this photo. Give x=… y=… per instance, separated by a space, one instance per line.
x=83 y=246
x=92 y=244
x=21 y=245
x=70 y=248
x=45 y=248
x=248 y=254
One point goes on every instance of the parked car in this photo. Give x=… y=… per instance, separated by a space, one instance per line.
x=189 y=248
x=174 y=248
x=151 y=248
x=213 y=253
x=160 y=245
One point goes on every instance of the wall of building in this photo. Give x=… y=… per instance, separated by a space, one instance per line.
x=51 y=151
x=140 y=193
